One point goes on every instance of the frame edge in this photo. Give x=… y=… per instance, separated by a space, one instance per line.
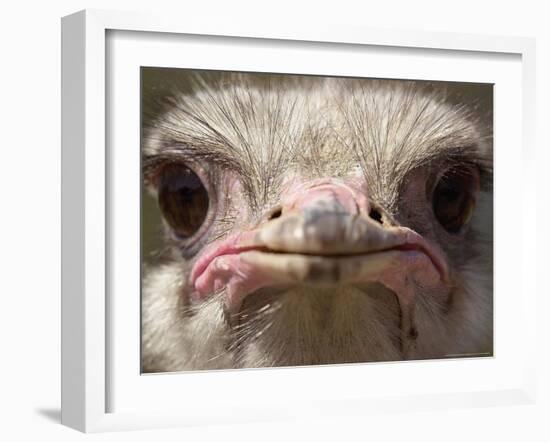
x=73 y=81
x=83 y=283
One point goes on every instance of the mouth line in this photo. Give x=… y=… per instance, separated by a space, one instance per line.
x=376 y=260
x=243 y=271
x=203 y=264
x=404 y=247
x=259 y=250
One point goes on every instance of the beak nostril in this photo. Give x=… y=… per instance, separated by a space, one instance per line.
x=276 y=213
x=375 y=215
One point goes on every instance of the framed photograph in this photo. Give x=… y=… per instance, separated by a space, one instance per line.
x=264 y=222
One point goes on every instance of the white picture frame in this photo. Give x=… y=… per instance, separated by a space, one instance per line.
x=89 y=172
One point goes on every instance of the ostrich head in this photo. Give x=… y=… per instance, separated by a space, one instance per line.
x=317 y=221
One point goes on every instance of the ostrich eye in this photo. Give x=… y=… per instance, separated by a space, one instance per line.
x=183 y=199
x=454 y=198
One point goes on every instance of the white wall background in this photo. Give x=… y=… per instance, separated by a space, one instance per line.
x=30 y=215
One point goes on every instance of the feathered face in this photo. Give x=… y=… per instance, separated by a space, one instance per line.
x=318 y=221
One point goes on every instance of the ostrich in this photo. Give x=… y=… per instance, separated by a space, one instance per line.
x=317 y=221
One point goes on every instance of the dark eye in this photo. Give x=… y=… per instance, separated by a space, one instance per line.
x=454 y=198
x=183 y=199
